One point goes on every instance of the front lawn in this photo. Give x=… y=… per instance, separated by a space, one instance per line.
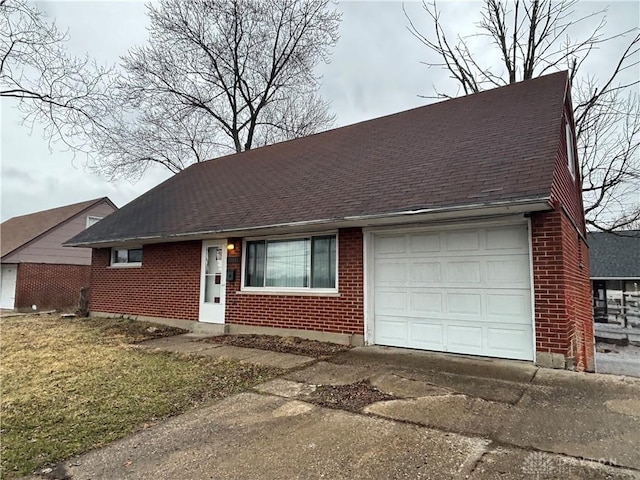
x=70 y=385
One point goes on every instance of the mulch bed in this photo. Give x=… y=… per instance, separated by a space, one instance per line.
x=353 y=397
x=274 y=343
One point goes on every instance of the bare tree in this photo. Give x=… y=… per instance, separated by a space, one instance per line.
x=218 y=77
x=533 y=37
x=66 y=95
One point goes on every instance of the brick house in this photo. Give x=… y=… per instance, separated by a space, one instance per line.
x=454 y=227
x=36 y=268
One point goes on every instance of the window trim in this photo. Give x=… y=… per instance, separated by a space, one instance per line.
x=92 y=217
x=571 y=148
x=113 y=264
x=289 y=290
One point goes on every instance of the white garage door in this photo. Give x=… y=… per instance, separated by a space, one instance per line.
x=455 y=290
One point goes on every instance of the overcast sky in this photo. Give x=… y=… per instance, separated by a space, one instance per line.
x=375 y=70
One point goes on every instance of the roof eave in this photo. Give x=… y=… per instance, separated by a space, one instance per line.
x=506 y=207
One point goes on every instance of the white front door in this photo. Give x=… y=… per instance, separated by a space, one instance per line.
x=213 y=281
x=459 y=290
x=8 y=286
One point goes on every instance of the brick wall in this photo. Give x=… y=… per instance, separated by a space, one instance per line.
x=579 y=302
x=166 y=285
x=562 y=290
x=343 y=314
x=50 y=286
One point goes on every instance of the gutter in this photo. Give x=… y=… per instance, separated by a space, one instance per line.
x=506 y=207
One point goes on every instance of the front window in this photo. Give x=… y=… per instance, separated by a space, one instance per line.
x=308 y=262
x=126 y=256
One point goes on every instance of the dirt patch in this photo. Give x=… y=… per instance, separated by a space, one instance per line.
x=274 y=343
x=134 y=331
x=352 y=397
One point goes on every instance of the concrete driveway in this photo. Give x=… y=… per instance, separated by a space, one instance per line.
x=450 y=417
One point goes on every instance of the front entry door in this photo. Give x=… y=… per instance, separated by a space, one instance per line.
x=213 y=281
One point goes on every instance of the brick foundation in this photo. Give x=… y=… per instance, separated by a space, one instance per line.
x=50 y=286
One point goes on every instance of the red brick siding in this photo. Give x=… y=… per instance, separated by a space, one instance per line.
x=567 y=190
x=552 y=325
x=578 y=288
x=344 y=314
x=562 y=289
x=166 y=285
x=50 y=286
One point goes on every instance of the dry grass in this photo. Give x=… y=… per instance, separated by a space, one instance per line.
x=72 y=385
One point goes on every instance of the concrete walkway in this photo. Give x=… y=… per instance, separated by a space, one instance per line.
x=193 y=344
x=451 y=418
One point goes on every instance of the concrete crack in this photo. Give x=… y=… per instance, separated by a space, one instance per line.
x=473 y=460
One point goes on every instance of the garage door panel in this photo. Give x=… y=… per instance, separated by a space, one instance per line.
x=462 y=240
x=509 y=307
x=463 y=272
x=427 y=335
x=391 y=245
x=464 y=338
x=426 y=302
x=391 y=272
x=391 y=302
x=425 y=273
x=462 y=291
x=391 y=331
x=508 y=271
x=425 y=243
x=509 y=342
x=507 y=238
x=469 y=304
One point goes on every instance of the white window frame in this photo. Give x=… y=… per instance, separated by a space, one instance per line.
x=114 y=264
x=94 y=218
x=570 y=143
x=289 y=290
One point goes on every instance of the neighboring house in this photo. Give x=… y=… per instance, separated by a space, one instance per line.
x=615 y=274
x=455 y=227
x=36 y=268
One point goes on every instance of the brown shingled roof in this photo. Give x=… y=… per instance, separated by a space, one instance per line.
x=18 y=231
x=495 y=146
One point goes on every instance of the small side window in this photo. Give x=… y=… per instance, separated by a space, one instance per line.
x=92 y=221
x=122 y=257
x=571 y=161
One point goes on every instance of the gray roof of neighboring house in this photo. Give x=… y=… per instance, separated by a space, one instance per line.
x=18 y=231
x=614 y=254
x=493 y=147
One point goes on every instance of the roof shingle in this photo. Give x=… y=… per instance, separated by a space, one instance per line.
x=18 y=231
x=614 y=255
x=498 y=145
